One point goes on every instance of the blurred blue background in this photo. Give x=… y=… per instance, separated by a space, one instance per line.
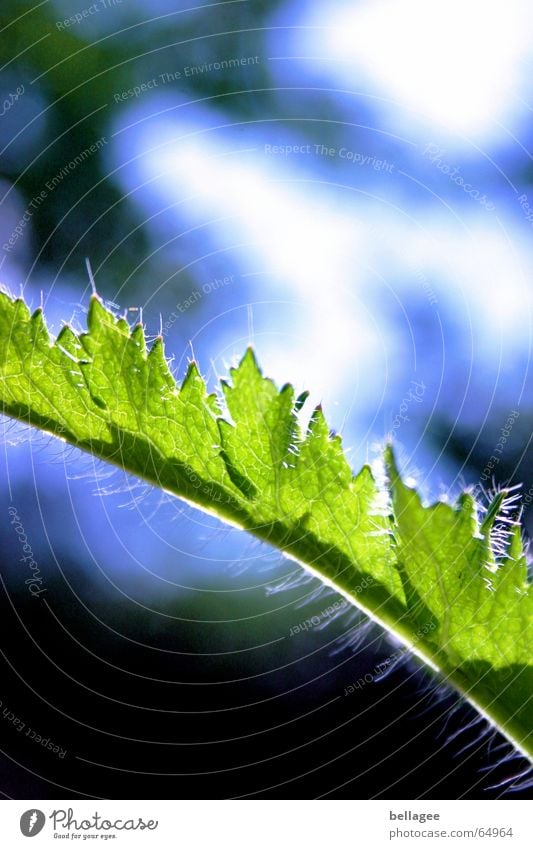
x=347 y=186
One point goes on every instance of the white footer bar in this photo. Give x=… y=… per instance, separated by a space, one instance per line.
x=268 y=824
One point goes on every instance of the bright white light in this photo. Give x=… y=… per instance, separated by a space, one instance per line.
x=456 y=63
x=490 y=273
x=323 y=253
x=310 y=247
x=303 y=239
x=475 y=267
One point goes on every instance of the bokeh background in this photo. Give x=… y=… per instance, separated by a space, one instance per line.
x=349 y=187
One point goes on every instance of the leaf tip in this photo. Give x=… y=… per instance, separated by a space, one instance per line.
x=192 y=374
x=317 y=423
x=97 y=313
x=157 y=348
x=391 y=465
x=300 y=401
x=249 y=360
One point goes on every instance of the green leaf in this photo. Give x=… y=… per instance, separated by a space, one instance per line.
x=429 y=575
x=481 y=611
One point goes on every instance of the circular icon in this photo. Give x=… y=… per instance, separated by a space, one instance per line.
x=32 y=822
